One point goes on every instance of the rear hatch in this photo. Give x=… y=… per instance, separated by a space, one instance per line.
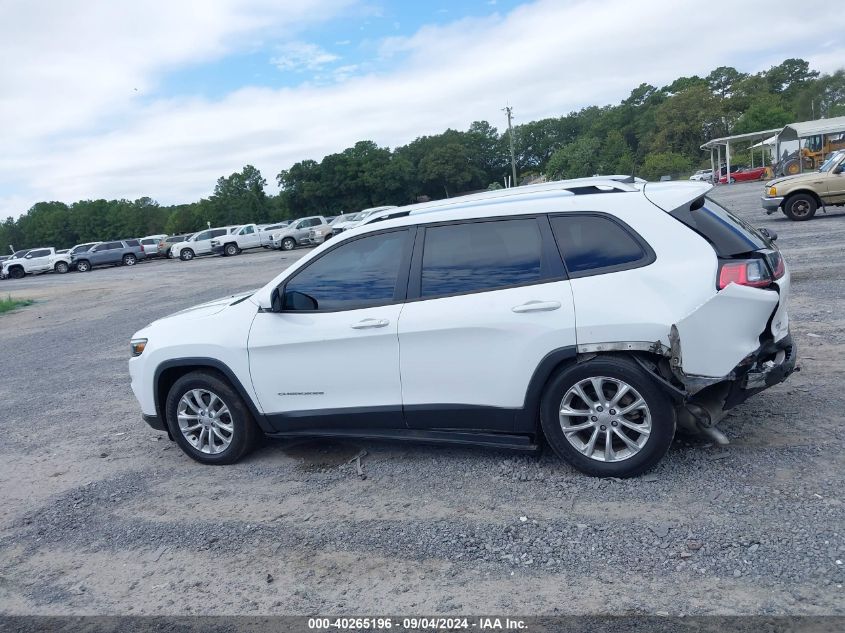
x=738 y=318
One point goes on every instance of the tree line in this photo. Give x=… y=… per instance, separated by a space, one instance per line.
x=655 y=131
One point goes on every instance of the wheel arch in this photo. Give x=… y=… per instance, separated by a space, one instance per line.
x=168 y=372
x=815 y=196
x=528 y=418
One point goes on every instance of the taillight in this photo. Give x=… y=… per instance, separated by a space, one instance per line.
x=778 y=266
x=745 y=272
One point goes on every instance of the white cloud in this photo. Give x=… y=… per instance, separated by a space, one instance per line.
x=301 y=56
x=546 y=58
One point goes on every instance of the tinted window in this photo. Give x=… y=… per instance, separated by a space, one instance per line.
x=148 y=242
x=133 y=243
x=40 y=253
x=202 y=236
x=728 y=234
x=480 y=256
x=592 y=242
x=248 y=230
x=356 y=274
x=218 y=232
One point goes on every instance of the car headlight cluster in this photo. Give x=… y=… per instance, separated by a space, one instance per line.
x=137 y=345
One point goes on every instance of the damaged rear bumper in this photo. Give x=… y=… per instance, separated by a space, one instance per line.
x=770 y=365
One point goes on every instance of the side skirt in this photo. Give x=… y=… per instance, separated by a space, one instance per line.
x=491 y=440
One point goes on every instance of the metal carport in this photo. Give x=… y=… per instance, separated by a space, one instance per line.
x=806 y=129
x=717 y=144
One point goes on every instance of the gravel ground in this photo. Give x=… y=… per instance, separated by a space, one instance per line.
x=102 y=515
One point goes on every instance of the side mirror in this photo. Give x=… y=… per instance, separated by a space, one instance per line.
x=276 y=300
x=839 y=168
x=767 y=233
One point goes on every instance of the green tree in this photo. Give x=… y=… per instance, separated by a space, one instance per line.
x=575 y=160
x=448 y=166
x=665 y=164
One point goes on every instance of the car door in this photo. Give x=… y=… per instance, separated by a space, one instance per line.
x=835 y=183
x=38 y=260
x=329 y=359
x=487 y=301
x=248 y=237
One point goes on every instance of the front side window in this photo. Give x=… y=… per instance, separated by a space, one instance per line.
x=357 y=274
x=591 y=244
x=475 y=256
x=202 y=236
x=247 y=230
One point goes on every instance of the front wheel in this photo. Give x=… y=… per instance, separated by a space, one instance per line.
x=209 y=419
x=83 y=266
x=129 y=260
x=231 y=250
x=607 y=417
x=800 y=207
x=288 y=244
x=186 y=255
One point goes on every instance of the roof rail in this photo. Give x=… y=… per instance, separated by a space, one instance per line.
x=577 y=186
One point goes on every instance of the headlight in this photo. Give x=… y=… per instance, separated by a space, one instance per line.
x=137 y=345
x=773 y=191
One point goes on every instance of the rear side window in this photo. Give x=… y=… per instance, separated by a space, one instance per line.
x=133 y=243
x=42 y=253
x=148 y=242
x=477 y=256
x=217 y=233
x=592 y=244
x=729 y=234
x=357 y=274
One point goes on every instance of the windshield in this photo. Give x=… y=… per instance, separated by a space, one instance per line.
x=831 y=161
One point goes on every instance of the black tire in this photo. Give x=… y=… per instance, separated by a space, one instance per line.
x=17 y=272
x=83 y=266
x=656 y=442
x=328 y=237
x=186 y=255
x=800 y=207
x=129 y=260
x=732 y=180
x=245 y=432
x=61 y=267
x=231 y=250
x=288 y=244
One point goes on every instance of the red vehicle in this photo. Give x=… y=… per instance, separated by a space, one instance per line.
x=746 y=173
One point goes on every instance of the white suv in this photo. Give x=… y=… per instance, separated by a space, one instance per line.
x=599 y=313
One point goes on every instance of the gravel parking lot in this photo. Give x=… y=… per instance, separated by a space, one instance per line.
x=103 y=515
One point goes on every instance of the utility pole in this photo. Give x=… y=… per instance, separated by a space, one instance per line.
x=509 y=111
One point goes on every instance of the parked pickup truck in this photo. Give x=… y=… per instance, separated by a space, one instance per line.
x=36 y=260
x=305 y=231
x=239 y=239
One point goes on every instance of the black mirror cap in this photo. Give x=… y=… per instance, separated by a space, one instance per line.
x=772 y=235
x=275 y=300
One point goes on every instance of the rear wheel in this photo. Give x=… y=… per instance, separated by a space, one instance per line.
x=129 y=260
x=800 y=207
x=607 y=417
x=186 y=255
x=61 y=267
x=83 y=265
x=209 y=419
x=231 y=250
x=288 y=244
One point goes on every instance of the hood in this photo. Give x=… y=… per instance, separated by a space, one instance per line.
x=810 y=175
x=209 y=308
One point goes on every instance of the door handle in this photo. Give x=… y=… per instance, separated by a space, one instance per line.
x=537 y=306
x=369 y=323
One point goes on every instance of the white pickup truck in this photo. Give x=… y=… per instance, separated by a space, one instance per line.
x=37 y=260
x=238 y=239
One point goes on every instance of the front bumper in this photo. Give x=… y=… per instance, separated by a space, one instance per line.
x=154 y=421
x=771 y=204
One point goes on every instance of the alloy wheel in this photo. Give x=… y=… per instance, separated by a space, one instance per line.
x=205 y=421
x=605 y=419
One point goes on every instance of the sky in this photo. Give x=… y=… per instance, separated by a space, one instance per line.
x=123 y=99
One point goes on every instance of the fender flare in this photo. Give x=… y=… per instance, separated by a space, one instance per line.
x=191 y=363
